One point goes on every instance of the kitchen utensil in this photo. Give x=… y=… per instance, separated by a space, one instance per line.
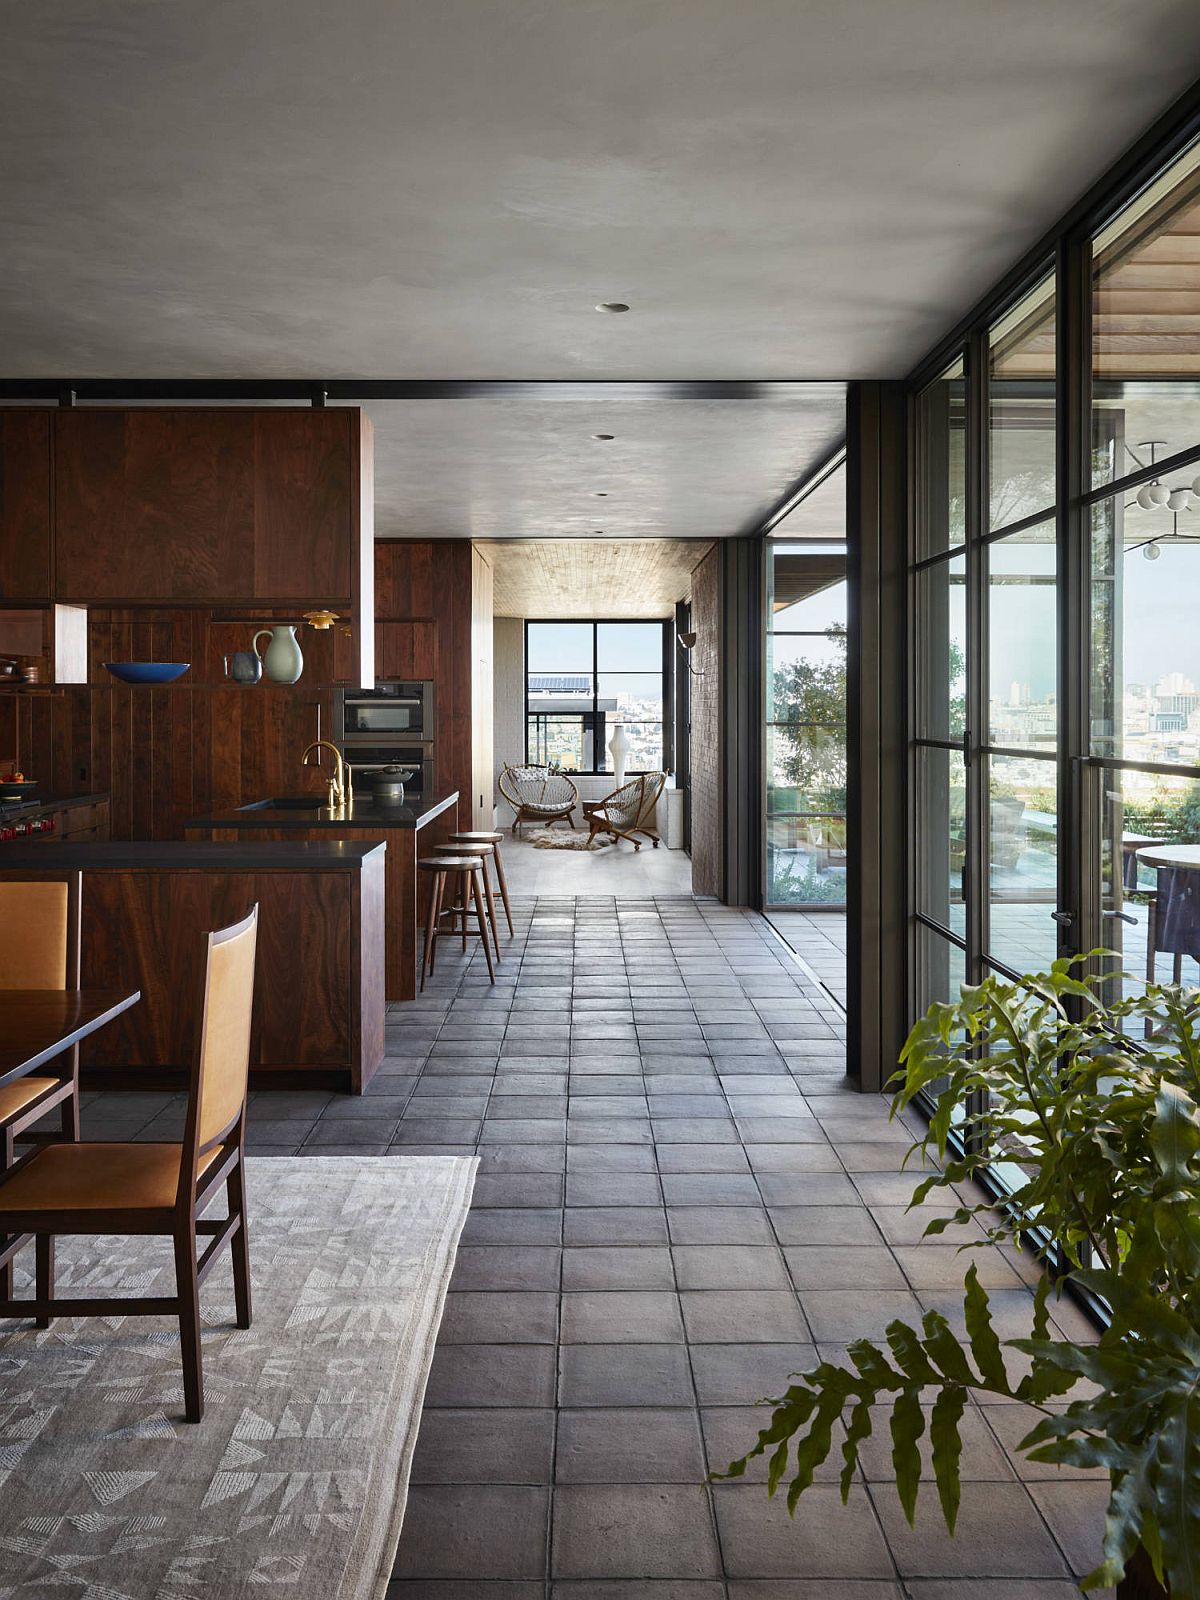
x=244 y=666
x=147 y=671
x=387 y=784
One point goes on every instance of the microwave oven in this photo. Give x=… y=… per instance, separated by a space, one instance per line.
x=389 y=711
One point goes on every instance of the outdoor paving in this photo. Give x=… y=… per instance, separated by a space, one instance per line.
x=679 y=1202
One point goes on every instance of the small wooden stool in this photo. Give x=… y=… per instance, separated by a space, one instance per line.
x=464 y=874
x=485 y=836
x=482 y=852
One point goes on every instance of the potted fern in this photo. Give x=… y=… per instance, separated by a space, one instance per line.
x=1106 y=1131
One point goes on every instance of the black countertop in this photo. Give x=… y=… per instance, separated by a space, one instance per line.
x=102 y=855
x=360 y=813
x=14 y=810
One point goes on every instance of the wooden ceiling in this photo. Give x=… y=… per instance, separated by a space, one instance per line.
x=1145 y=301
x=591 y=577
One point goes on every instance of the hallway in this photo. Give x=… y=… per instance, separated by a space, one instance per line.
x=679 y=1202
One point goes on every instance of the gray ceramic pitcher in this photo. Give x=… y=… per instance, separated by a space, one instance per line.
x=243 y=666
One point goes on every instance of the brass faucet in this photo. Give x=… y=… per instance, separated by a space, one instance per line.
x=337 y=783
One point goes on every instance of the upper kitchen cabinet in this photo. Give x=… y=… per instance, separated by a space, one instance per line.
x=202 y=506
x=154 y=505
x=306 y=496
x=25 y=505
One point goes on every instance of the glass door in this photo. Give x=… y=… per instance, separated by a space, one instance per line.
x=1142 y=522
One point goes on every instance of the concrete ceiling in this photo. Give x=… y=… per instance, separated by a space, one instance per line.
x=503 y=469
x=396 y=188
x=591 y=577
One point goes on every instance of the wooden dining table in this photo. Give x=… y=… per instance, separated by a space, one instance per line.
x=38 y=1024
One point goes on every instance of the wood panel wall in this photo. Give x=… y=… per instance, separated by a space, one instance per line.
x=707 y=811
x=427 y=612
x=25 y=505
x=168 y=753
x=182 y=530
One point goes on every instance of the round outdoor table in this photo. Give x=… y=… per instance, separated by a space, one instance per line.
x=1170 y=858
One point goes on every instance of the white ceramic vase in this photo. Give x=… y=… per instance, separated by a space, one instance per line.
x=618 y=749
x=283 y=661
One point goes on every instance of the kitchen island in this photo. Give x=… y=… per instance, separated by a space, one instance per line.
x=408 y=830
x=146 y=912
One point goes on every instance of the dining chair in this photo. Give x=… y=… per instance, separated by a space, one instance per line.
x=39 y=949
x=95 y=1189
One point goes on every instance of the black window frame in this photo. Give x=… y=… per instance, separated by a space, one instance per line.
x=666 y=673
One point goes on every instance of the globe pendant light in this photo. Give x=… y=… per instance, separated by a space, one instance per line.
x=1159 y=493
x=1151 y=552
x=1178 y=499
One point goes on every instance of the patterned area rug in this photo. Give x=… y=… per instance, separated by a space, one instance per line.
x=566 y=839
x=299 y=1472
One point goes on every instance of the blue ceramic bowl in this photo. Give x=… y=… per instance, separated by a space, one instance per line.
x=147 y=671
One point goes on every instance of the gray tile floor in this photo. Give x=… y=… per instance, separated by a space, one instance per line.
x=819 y=939
x=679 y=1201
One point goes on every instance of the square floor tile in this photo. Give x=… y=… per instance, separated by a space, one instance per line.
x=506 y=1267
x=489 y=1445
x=717 y=1225
x=713 y=1266
x=622 y=1317
x=711 y=1189
x=741 y=1375
x=614 y=1225
x=613 y=1189
x=836 y=1315
x=830 y=1266
x=637 y=1530
x=737 y=1316
x=825 y=1539
x=518 y=1225
x=618 y=1267
x=999 y=1534
x=491 y=1375
x=500 y=1317
x=638 y=1446
x=624 y=1375
x=824 y=1225
x=489 y=1531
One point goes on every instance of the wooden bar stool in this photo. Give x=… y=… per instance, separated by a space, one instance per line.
x=485 y=836
x=462 y=874
x=483 y=853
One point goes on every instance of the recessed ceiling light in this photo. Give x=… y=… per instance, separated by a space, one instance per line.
x=612 y=305
x=601 y=494
x=604 y=436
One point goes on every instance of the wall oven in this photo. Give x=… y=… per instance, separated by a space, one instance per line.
x=389 y=711
x=364 y=759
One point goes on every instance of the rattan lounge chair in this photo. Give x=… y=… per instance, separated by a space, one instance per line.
x=538 y=795
x=629 y=810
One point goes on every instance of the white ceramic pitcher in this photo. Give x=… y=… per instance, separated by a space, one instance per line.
x=284 y=660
